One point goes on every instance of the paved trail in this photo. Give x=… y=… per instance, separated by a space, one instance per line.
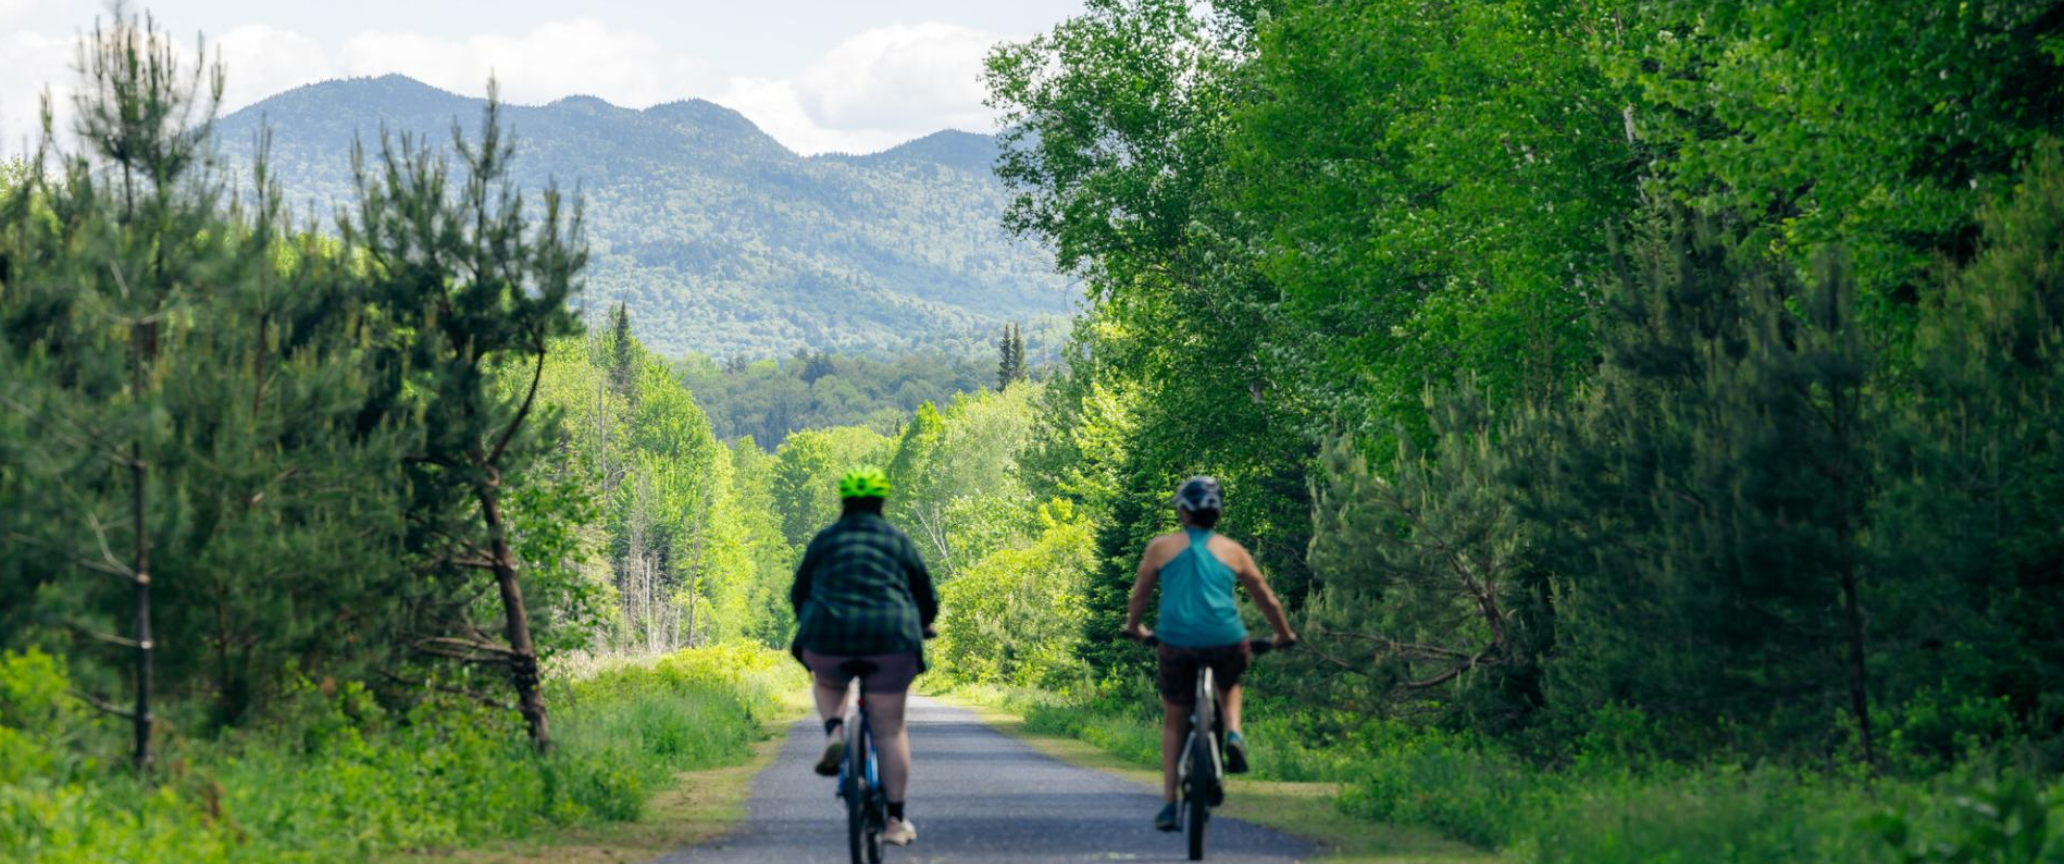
x=979 y=796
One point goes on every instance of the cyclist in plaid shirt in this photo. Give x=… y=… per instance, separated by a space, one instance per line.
x=862 y=593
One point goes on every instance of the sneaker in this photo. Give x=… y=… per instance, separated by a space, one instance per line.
x=900 y=832
x=834 y=752
x=1235 y=753
x=1165 y=820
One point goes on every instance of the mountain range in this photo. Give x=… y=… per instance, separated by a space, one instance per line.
x=720 y=240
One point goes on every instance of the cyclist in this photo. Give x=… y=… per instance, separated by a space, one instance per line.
x=1199 y=624
x=862 y=593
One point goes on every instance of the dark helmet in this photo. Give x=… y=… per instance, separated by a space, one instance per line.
x=1198 y=493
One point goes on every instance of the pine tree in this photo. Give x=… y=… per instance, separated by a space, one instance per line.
x=623 y=357
x=484 y=287
x=1709 y=496
x=1426 y=583
x=1010 y=350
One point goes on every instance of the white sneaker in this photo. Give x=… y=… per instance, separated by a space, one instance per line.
x=900 y=832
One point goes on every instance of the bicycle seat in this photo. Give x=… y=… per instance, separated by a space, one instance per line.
x=859 y=668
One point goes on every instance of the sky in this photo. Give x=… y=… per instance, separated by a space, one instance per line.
x=853 y=76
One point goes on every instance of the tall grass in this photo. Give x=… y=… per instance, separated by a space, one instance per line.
x=1612 y=804
x=340 y=779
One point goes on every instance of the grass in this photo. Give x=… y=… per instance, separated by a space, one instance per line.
x=1388 y=793
x=694 y=808
x=336 y=777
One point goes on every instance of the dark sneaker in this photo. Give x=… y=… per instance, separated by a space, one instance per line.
x=1165 y=820
x=834 y=751
x=1235 y=753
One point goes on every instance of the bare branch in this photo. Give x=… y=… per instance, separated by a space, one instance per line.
x=103 y=706
x=537 y=374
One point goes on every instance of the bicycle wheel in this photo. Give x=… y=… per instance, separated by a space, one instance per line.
x=857 y=793
x=1203 y=768
x=877 y=822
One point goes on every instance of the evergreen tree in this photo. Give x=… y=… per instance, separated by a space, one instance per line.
x=623 y=365
x=1425 y=578
x=1010 y=366
x=483 y=288
x=185 y=383
x=1708 y=499
x=1974 y=483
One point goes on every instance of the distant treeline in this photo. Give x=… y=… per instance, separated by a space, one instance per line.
x=766 y=400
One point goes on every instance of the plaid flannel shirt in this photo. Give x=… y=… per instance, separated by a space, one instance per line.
x=862 y=589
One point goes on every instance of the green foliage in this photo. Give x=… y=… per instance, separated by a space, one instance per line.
x=1014 y=616
x=767 y=401
x=1424 y=576
x=340 y=778
x=806 y=471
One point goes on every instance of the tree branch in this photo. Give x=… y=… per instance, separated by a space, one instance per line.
x=537 y=374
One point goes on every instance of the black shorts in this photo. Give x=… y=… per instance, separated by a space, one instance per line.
x=1178 y=677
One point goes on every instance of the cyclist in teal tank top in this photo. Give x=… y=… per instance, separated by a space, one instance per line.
x=1199 y=623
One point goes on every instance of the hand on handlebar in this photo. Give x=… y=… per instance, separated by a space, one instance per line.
x=1138 y=633
x=931 y=633
x=1284 y=640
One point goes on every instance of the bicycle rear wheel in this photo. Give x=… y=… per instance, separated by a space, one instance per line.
x=857 y=793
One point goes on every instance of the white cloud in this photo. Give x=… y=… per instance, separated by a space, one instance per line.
x=777 y=108
x=900 y=77
x=555 y=59
x=34 y=63
x=876 y=89
x=259 y=61
x=15 y=10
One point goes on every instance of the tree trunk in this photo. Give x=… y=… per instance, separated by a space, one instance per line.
x=144 y=348
x=139 y=475
x=523 y=663
x=1859 y=689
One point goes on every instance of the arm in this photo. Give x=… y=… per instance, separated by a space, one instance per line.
x=921 y=589
x=1142 y=594
x=1271 y=608
x=800 y=591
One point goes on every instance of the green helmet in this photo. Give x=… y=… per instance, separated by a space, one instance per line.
x=865 y=481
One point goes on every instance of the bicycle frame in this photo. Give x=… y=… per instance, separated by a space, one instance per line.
x=1206 y=700
x=1203 y=745
x=865 y=817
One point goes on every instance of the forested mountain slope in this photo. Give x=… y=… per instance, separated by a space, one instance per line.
x=719 y=239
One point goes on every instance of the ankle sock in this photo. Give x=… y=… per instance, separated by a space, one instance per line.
x=831 y=726
x=896 y=810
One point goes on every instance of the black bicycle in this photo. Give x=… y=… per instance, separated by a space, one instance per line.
x=859 y=783
x=1200 y=773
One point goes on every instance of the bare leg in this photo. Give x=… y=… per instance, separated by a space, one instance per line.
x=1229 y=703
x=891 y=742
x=1175 y=720
x=831 y=701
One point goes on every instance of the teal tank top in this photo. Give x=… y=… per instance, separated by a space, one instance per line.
x=1197 y=605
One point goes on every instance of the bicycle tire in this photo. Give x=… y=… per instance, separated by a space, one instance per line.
x=1202 y=767
x=856 y=791
x=877 y=822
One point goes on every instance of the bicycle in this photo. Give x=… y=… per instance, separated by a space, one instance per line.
x=859 y=782
x=1200 y=773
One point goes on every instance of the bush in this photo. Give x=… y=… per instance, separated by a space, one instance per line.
x=338 y=778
